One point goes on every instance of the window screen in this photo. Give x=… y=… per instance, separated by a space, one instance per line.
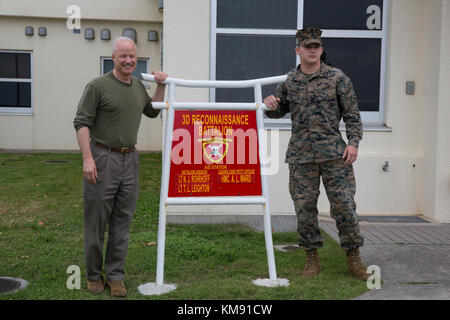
x=15 y=65
x=265 y=14
x=15 y=94
x=249 y=57
x=341 y=15
x=15 y=81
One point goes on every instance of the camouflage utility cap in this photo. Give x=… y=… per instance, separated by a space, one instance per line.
x=307 y=36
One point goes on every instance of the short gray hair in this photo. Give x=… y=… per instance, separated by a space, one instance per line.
x=120 y=39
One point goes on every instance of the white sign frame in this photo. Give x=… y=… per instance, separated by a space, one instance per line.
x=171 y=105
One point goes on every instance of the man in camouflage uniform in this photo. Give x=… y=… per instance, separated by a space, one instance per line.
x=317 y=97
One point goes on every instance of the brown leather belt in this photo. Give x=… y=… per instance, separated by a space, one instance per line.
x=122 y=150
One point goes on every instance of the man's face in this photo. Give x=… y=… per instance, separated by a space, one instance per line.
x=125 y=57
x=309 y=54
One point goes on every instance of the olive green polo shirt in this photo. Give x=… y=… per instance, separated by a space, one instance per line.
x=112 y=110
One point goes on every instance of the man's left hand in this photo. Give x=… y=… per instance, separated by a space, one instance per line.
x=160 y=76
x=350 y=155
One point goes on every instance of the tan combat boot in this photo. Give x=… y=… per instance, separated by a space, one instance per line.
x=355 y=266
x=117 y=288
x=312 y=265
x=96 y=287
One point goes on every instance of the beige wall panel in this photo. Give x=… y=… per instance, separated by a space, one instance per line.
x=23 y=129
x=442 y=209
x=186 y=45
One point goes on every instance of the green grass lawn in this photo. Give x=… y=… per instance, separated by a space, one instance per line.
x=41 y=235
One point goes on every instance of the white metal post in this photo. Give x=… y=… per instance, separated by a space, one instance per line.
x=160 y=287
x=165 y=186
x=264 y=185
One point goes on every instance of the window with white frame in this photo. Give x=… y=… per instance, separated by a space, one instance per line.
x=107 y=65
x=256 y=38
x=15 y=82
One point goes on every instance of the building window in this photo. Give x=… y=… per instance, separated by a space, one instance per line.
x=15 y=82
x=107 y=65
x=256 y=38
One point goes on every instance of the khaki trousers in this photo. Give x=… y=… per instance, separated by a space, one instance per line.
x=111 y=201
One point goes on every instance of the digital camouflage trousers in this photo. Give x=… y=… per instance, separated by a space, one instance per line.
x=339 y=182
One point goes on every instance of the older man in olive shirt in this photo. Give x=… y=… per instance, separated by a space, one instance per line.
x=107 y=122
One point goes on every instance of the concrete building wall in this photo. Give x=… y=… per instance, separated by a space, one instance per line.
x=436 y=112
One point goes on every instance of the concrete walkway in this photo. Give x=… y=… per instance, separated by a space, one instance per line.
x=414 y=258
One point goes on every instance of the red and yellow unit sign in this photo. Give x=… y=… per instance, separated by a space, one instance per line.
x=214 y=153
